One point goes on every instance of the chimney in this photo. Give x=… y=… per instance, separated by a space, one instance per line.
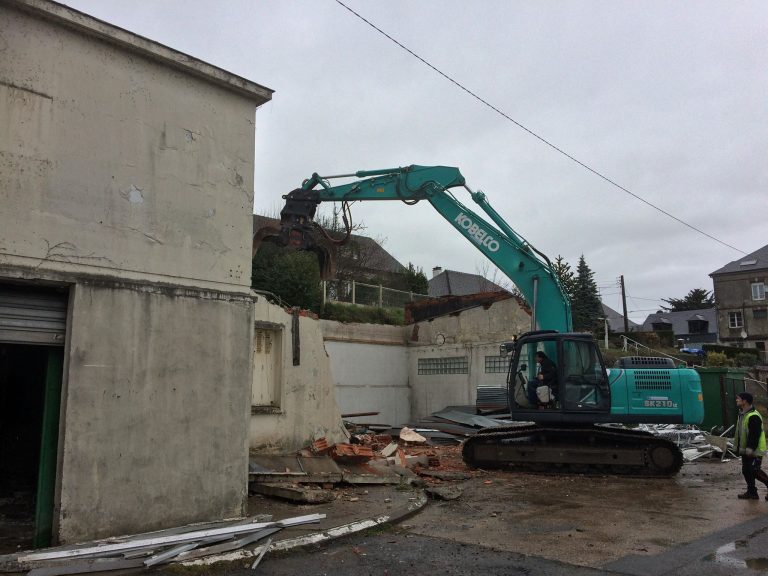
x=436 y=271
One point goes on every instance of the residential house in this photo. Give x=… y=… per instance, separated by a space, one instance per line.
x=742 y=308
x=453 y=283
x=691 y=328
x=362 y=257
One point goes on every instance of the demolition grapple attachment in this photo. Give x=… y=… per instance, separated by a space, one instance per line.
x=299 y=231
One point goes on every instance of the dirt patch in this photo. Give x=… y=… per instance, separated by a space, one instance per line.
x=588 y=520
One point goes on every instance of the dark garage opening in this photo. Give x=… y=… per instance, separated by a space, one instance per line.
x=32 y=334
x=22 y=395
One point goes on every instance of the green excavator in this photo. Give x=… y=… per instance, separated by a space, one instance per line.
x=570 y=421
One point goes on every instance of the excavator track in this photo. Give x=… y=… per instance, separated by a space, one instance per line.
x=569 y=450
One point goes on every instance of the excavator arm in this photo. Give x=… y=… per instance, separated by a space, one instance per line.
x=527 y=268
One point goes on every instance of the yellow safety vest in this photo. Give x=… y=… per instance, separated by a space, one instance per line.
x=742 y=431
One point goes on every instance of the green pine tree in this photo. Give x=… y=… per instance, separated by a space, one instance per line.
x=415 y=280
x=565 y=276
x=585 y=306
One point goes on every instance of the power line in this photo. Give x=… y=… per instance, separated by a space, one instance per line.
x=534 y=134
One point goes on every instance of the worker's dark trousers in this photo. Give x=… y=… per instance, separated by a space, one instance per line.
x=751 y=468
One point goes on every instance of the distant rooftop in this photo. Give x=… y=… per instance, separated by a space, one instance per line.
x=453 y=283
x=678 y=321
x=757 y=260
x=377 y=258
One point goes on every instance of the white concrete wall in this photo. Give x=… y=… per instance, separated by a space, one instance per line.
x=154 y=410
x=369 y=363
x=116 y=164
x=371 y=378
x=307 y=406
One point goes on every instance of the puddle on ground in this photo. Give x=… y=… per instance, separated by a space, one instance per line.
x=723 y=555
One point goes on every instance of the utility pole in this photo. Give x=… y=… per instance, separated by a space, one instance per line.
x=624 y=304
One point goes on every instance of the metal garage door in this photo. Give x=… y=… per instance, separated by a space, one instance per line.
x=32 y=316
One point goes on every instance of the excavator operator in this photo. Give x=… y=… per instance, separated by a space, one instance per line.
x=547 y=376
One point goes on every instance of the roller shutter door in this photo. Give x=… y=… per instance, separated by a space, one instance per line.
x=32 y=316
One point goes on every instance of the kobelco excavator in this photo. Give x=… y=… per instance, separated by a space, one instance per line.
x=561 y=422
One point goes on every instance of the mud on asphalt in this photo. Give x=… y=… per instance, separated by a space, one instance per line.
x=588 y=521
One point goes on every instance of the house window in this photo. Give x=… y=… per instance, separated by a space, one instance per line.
x=758 y=291
x=760 y=313
x=266 y=389
x=496 y=364
x=735 y=320
x=449 y=365
x=698 y=326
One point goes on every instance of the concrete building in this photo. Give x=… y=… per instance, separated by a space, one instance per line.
x=742 y=309
x=126 y=318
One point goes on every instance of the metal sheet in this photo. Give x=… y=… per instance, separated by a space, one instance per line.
x=32 y=316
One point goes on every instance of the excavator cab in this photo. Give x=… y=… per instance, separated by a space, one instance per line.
x=557 y=377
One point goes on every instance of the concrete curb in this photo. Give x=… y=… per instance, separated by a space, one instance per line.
x=396 y=516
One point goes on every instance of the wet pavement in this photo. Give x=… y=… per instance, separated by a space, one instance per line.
x=511 y=523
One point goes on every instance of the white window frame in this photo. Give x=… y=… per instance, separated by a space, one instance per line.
x=735 y=320
x=758 y=291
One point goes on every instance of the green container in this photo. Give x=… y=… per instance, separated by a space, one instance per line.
x=719 y=387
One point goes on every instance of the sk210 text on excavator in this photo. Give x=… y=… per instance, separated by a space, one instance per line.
x=562 y=404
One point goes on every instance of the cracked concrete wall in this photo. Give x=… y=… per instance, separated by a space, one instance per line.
x=155 y=411
x=116 y=164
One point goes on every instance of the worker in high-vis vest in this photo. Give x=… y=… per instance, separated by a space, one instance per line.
x=749 y=442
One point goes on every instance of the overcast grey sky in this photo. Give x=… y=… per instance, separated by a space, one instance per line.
x=668 y=99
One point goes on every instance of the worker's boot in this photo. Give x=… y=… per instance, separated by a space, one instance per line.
x=749 y=496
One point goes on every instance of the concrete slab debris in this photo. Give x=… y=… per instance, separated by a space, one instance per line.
x=294 y=492
x=409 y=435
x=389 y=450
x=369 y=474
x=294 y=468
x=447 y=475
x=449 y=492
